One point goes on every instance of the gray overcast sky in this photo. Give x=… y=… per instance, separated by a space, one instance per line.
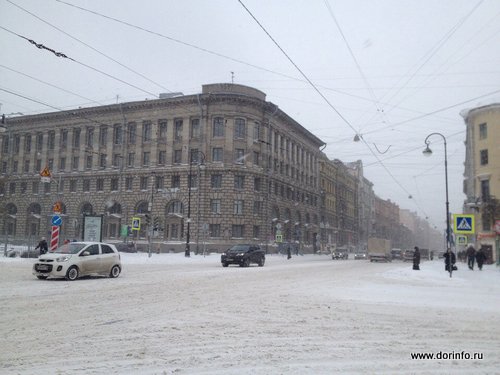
x=409 y=61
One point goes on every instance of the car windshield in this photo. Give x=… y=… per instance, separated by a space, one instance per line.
x=239 y=249
x=70 y=248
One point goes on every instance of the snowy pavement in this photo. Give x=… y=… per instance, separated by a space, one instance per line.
x=166 y=314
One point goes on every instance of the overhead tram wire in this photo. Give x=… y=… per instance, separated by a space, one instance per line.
x=62 y=55
x=432 y=52
x=50 y=84
x=89 y=46
x=324 y=98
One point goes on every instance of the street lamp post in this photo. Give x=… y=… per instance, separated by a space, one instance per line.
x=187 y=252
x=198 y=211
x=428 y=152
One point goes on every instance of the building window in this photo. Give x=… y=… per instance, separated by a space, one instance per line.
x=238 y=231
x=239 y=182
x=99 y=184
x=256 y=231
x=132 y=133
x=88 y=162
x=46 y=188
x=51 y=140
x=27 y=143
x=193 y=181
x=159 y=182
x=102 y=160
x=177 y=156
x=176 y=181
x=163 y=125
x=117 y=134
x=238 y=207
x=256 y=132
x=146 y=131
x=484 y=157
x=257 y=207
x=60 y=186
x=76 y=137
x=145 y=158
x=239 y=156
x=215 y=206
x=239 y=128
x=216 y=181
x=24 y=187
x=485 y=189
x=256 y=158
x=64 y=139
x=217 y=154
x=15 y=165
x=12 y=188
x=86 y=186
x=485 y=219
x=130 y=159
x=117 y=160
x=483 y=131
x=194 y=156
x=72 y=186
x=39 y=142
x=144 y=183
x=218 y=128
x=103 y=135
x=5 y=167
x=257 y=184
x=195 y=128
x=114 y=184
x=178 y=129
x=214 y=230
x=62 y=164
x=35 y=187
x=89 y=137
x=26 y=166
x=128 y=183
x=162 y=157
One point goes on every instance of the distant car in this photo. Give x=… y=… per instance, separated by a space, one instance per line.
x=397 y=254
x=340 y=254
x=243 y=255
x=123 y=247
x=77 y=259
x=360 y=256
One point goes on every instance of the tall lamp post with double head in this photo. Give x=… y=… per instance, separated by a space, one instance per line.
x=428 y=152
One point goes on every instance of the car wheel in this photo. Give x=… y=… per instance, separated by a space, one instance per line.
x=72 y=273
x=246 y=263
x=42 y=277
x=262 y=261
x=225 y=264
x=115 y=271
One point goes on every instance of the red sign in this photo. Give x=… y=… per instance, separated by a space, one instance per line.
x=497 y=226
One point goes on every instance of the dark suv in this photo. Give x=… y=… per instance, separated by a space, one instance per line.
x=243 y=255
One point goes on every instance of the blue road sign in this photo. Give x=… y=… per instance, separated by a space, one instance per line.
x=463 y=224
x=56 y=220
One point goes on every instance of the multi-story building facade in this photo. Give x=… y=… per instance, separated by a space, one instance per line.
x=347 y=207
x=222 y=166
x=386 y=219
x=482 y=175
x=366 y=207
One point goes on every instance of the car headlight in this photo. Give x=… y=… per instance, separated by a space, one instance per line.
x=241 y=254
x=64 y=258
x=223 y=254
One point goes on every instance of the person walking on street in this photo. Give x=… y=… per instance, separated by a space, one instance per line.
x=42 y=245
x=416 y=259
x=480 y=258
x=471 y=255
x=288 y=252
x=449 y=261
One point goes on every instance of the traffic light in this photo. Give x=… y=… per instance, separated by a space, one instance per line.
x=148 y=220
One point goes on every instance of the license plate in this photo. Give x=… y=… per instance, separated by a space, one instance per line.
x=42 y=267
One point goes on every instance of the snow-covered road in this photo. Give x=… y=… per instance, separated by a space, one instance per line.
x=308 y=315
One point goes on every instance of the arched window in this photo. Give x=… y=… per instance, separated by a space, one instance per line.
x=175 y=207
x=86 y=209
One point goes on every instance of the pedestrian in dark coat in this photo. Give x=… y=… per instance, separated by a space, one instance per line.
x=288 y=252
x=449 y=261
x=43 y=246
x=480 y=257
x=471 y=255
x=416 y=259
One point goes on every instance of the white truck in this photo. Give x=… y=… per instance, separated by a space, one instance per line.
x=379 y=250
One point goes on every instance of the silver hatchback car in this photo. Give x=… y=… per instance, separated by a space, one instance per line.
x=76 y=259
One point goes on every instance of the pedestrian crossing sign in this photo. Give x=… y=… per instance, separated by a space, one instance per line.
x=463 y=224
